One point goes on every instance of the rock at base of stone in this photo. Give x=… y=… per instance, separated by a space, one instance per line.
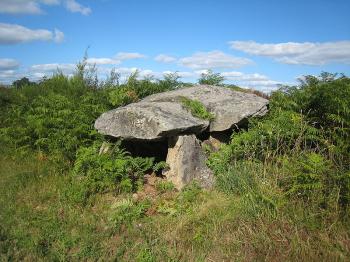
x=186 y=161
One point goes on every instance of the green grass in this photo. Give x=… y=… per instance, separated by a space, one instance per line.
x=196 y=108
x=38 y=222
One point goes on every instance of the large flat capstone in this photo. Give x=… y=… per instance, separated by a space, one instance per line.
x=228 y=106
x=162 y=115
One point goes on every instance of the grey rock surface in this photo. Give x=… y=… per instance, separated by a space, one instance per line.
x=228 y=106
x=149 y=121
x=186 y=161
x=162 y=115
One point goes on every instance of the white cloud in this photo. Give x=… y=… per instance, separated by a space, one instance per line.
x=34 y=6
x=59 y=36
x=75 y=7
x=307 y=53
x=232 y=74
x=8 y=76
x=8 y=64
x=50 y=2
x=13 y=34
x=103 y=61
x=19 y=7
x=127 y=56
x=254 y=81
x=165 y=58
x=185 y=74
x=48 y=69
x=131 y=70
x=116 y=60
x=213 y=59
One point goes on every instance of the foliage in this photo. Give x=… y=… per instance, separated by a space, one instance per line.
x=160 y=166
x=122 y=96
x=24 y=81
x=55 y=117
x=196 y=108
x=280 y=133
x=135 y=89
x=308 y=176
x=164 y=186
x=114 y=170
x=302 y=143
x=325 y=100
x=282 y=185
x=126 y=211
x=211 y=78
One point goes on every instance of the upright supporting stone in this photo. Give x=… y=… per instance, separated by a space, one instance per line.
x=186 y=161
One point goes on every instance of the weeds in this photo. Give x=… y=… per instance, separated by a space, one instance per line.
x=196 y=108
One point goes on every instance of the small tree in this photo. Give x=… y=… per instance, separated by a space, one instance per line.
x=171 y=80
x=22 y=82
x=211 y=78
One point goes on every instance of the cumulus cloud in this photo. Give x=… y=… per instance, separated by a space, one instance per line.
x=8 y=76
x=103 y=61
x=213 y=59
x=127 y=56
x=75 y=7
x=13 y=34
x=19 y=7
x=8 y=64
x=254 y=81
x=116 y=60
x=307 y=53
x=48 y=69
x=165 y=58
x=58 y=36
x=35 y=6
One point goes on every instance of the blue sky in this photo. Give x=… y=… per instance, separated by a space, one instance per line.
x=253 y=43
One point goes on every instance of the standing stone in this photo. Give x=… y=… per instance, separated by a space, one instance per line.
x=186 y=161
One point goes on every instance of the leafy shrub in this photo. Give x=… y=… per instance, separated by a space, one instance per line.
x=163 y=186
x=122 y=96
x=325 y=101
x=114 y=170
x=307 y=174
x=211 y=78
x=303 y=142
x=313 y=179
x=22 y=82
x=196 y=108
x=55 y=117
x=282 y=133
x=160 y=166
x=126 y=211
x=135 y=89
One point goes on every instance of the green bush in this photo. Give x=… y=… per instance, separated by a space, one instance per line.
x=135 y=89
x=126 y=211
x=55 y=117
x=281 y=133
x=211 y=78
x=325 y=101
x=122 y=96
x=303 y=143
x=114 y=170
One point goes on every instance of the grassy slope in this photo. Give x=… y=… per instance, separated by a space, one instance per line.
x=38 y=222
